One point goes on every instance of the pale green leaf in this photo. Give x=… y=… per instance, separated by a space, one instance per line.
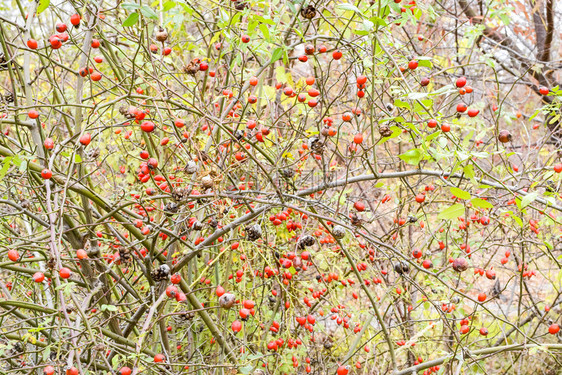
x=108 y=308
x=264 y=31
x=459 y=193
x=252 y=26
x=413 y=156
x=130 y=6
x=518 y=221
x=481 y=203
x=368 y=25
x=246 y=369
x=346 y=6
x=417 y=95
x=148 y=12
x=360 y=32
x=265 y=20
x=400 y=104
x=46 y=353
x=5 y=166
x=528 y=199
x=452 y=212
x=469 y=170
x=443 y=90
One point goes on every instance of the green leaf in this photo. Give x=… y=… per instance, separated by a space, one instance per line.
x=413 y=156
x=292 y=7
x=481 y=155
x=365 y=28
x=264 y=31
x=77 y=159
x=148 y=12
x=444 y=90
x=46 y=353
x=432 y=136
x=285 y=57
x=131 y=20
x=246 y=369
x=6 y=166
x=368 y=25
x=282 y=76
x=130 y=6
x=417 y=95
x=116 y=360
x=265 y=20
x=378 y=20
x=461 y=194
x=481 y=203
x=360 y=32
x=400 y=104
x=68 y=288
x=505 y=19
x=528 y=199
x=252 y=26
x=255 y=356
x=108 y=308
x=16 y=160
x=346 y=6
x=452 y=212
x=518 y=221
x=469 y=170
x=467 y=139
x=394 y=6
x=413 y=128
x=234 y=20
x=23 y=166
x=168 y=5
x=43 y=4
x=419 y=108
x=277 y=54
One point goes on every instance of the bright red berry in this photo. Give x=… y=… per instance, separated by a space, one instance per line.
x=32 y=43
x=46 y=174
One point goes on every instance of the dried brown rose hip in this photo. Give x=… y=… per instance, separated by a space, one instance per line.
x=504 y=136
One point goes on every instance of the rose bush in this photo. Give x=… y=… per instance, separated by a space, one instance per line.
x=280 y=187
